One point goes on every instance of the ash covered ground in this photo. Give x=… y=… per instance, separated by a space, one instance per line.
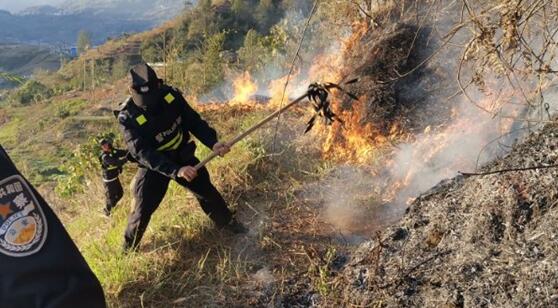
x=487 y=241
x=470 y=242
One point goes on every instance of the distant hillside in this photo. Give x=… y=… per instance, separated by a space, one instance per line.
x=40 y=10
x=102 y=19
x=23 y=60
x=156 y=10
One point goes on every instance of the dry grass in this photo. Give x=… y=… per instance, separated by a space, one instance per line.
x=183 y=259
x=482 y=241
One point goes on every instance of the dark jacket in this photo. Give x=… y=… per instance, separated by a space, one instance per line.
x=40 y=266
x=160 y=140
x=112 y=163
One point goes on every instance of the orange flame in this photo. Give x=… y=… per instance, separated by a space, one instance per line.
x=276 y=89
x=357 y=140
x=244 y=89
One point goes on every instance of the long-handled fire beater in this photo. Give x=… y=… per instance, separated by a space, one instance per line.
x=317 y=93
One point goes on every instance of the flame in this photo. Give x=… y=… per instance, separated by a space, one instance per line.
x=402 y=175
x=325 y=67
x=276 y=88
x=402 y=172
x=359 y=29
x=357 y=140
x=244 y=88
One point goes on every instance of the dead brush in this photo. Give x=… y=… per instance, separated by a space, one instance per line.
x=500 y=230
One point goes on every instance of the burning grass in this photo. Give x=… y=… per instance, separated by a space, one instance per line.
x=494 y=234
x=358 y=141
x=244 y=89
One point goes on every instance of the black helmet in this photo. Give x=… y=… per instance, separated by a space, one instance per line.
x=145 y=86
x=143 y=75
x=105 y=141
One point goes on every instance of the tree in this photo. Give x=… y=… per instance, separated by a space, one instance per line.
x=213 y=64
x=152 y=49
x=30 y=92
x=207 y=68
x=252 y=55
x=119 y=68
x=83 y=41
x=204 y=22
x=266 y=15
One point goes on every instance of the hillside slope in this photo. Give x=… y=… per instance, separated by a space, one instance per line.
x=486 y=241
x=23 y=60
x=183 y=258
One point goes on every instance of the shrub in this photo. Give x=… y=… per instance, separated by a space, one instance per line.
x=82 y=163
x=30 y=92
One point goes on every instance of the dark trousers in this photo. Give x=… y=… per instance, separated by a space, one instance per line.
x=113 y=193
x=150 y=188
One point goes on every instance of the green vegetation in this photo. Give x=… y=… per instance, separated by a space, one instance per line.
x=18 y=61
x=208 y=72
x=83 y=41
x=9 y=132
x=30 y=92
x=215 y=37
x=11 y=78
x=202 y=48
x=43 y=136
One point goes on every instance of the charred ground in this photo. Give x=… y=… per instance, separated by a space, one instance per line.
x=477 y=241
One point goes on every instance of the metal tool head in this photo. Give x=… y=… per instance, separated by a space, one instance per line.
x=318 y=94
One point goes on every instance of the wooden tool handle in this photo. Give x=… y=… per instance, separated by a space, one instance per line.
x=251 y=130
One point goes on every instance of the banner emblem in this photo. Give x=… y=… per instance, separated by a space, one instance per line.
x=23 y=227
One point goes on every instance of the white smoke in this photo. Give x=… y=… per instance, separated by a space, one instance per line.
x=356 y=201
x=469 y=138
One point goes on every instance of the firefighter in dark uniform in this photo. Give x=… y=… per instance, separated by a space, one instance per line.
x=112 y=160
x=157 y=122
x=40 y=266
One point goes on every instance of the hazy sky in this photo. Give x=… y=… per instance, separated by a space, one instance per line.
x=16 y=5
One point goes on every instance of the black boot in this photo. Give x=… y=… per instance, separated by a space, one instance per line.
x=128 y=247
x=236 y=227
